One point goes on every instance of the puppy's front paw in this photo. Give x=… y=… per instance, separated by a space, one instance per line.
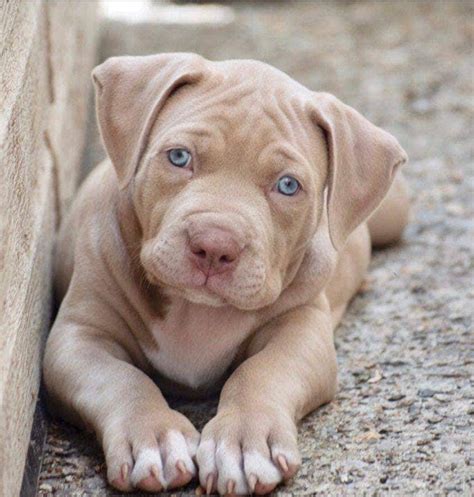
x=247 y=452
x=150 y=453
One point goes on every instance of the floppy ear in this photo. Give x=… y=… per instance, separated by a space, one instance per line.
x=363 y=160
x=130 y=91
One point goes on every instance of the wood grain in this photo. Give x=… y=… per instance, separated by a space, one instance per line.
x=46 y=53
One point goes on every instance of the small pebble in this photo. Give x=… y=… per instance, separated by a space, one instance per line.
x=434 y=419
x=423 y=441
x=426 y=393
x=345 y=478
x=397 y=396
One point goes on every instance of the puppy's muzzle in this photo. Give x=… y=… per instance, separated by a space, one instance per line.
x=213 y=250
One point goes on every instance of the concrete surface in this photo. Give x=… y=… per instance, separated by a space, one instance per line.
x=402 y=421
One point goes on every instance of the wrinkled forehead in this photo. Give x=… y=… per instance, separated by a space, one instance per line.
x=244 y=108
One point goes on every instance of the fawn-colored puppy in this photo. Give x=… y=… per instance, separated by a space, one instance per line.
x=215 y=249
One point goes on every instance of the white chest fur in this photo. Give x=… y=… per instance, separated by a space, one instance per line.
x=197 y=343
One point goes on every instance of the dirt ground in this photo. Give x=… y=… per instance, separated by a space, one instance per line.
x=401 y=423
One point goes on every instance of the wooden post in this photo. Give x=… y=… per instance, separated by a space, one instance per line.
x=47 y=50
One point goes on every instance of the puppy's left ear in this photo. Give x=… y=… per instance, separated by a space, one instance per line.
x=363 y=160
x=130 y=92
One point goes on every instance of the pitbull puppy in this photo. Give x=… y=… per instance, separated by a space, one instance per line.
x=219 y=244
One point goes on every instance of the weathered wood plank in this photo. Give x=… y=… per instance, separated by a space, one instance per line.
x=74 y=28
x=18 y=31
x=46 y=53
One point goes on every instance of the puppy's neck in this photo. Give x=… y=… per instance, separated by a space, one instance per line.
x=129 y=225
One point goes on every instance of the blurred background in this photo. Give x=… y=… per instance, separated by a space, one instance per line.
x=402 y=63
x=401 y=422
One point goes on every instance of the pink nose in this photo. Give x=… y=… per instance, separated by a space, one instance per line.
x=214 y=251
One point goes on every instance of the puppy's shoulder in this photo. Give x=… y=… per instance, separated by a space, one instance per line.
x=88 y=217
x=98 y=191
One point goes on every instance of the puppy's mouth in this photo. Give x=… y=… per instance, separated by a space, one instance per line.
x=213 y=290
x=198 y=289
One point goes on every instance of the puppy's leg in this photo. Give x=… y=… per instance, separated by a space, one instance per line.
x=387 y=223
x=90 y=376
x=349 y=272
x=250 y=445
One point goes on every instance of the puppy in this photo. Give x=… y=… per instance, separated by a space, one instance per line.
x=215 y=249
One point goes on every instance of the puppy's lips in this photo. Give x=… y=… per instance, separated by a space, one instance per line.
x=200 y=286
x=206 y=295
x=201 y=295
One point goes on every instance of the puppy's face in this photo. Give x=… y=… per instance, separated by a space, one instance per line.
x=228 y=194
x=227 y=164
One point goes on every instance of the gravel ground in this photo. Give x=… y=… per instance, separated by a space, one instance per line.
x=402 y=421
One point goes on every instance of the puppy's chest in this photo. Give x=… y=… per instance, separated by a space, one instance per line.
x=197 y=344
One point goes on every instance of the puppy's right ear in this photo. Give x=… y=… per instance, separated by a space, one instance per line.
x=130 y=91
x=363 y=160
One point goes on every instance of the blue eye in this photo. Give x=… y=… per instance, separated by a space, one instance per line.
x=287 y=185
x=179 y=157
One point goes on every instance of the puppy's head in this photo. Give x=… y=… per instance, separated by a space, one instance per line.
x=227 y=164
